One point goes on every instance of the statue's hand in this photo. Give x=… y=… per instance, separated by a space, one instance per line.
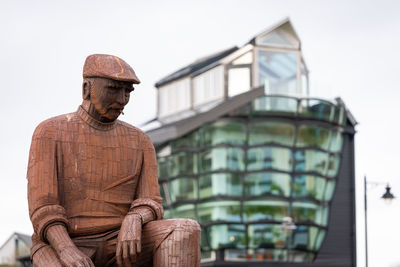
x=129 y=240
x=72 y=256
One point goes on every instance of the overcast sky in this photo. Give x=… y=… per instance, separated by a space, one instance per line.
x=350 y=47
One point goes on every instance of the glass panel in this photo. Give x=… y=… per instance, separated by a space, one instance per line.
x=168 y=214
x=320 y=238
x=308 y=212
x=333 y=165
x=304 y=238
x=219 y=211
x=183 y=189
x=267 y=236
x=271 y=132
x=238 y=81
x=187 y=141
x=309 y=186
x=275 y=104
x=311 y=161
x=203 y=241
x=162 y=168
x=267 y=183
x=340 y=115
x=162 y=194
x=220 y=184
x=317 y=109
x=182 y=163
x=330 y=189
x=269 y=158
x=227 y=236
x=222 y=158
x=278 y=71
x=255 y=210
x=224 y=133
x=311 y=135
x=336 y=142
x=185 y=211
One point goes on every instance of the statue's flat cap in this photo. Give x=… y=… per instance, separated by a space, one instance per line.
x=108 y=66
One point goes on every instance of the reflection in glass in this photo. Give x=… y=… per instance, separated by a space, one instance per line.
x=266 y=236
x=275 y=104
x=330 y=188
x=309 y=212
x=304 y=238
x=333 y=165
x=311 y=161
x=219 y=211
x=271 y=132
x=278 y=70
x=187 y=141
x=222 y=158
x=182 y=163
x=227 y=236
x=183 y=189
x=220 y=184
x=269 y=158
x=224 y=133
x=267 y=183
x=316 y=108
x=309 y=186
x=311 y=135
x=162 y=168
x=255 y=210
x=337 y=141
x=185 y=211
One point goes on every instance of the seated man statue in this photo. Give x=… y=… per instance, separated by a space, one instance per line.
x=92 y=184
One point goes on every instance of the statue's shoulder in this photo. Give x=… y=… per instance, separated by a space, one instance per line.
x=49 y=127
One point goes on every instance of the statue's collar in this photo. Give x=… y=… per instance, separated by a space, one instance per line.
x=82 y=113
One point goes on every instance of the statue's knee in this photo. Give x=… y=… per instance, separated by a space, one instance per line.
x=188 y=226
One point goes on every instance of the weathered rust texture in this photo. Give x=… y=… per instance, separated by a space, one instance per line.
x=92 y=184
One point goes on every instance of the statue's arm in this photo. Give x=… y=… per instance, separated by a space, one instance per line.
x=146 y=207
x=48 y=217
x=148 y=202
x=43 y=198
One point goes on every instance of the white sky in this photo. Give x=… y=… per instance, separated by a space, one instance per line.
x=351 y=48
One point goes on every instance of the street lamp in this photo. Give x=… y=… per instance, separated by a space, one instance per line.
x=387 y=197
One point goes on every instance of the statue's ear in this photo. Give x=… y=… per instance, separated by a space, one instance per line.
x=86 y=90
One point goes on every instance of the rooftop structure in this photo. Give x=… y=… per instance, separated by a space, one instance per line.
x=267 y=170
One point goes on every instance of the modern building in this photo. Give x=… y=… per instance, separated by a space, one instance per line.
x=16 y=251
x=267 y=170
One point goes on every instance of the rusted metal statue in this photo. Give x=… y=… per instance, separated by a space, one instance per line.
x=92 y=184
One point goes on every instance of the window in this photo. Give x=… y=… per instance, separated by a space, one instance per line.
x=224 y=133
x=277 y=71
x=222 y=158
x=174 y=97
x=238 y=80
x=183 y=189
x=269 y=158
x=311 y=135
x=214 y=211
x=208 y=86
x=262 y=183
x=220 y=184
x=255 y=210
x=182 y=163
x=227 y=236
x=271 y=132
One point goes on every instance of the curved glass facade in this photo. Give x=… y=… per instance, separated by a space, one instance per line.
x=241 y=175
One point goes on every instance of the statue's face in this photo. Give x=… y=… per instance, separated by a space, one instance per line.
x=109 y=97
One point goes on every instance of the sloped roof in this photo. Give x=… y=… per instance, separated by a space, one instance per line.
x=196 y=66
x=24 y=238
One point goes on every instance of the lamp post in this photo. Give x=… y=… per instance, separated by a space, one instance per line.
x=387 y=197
